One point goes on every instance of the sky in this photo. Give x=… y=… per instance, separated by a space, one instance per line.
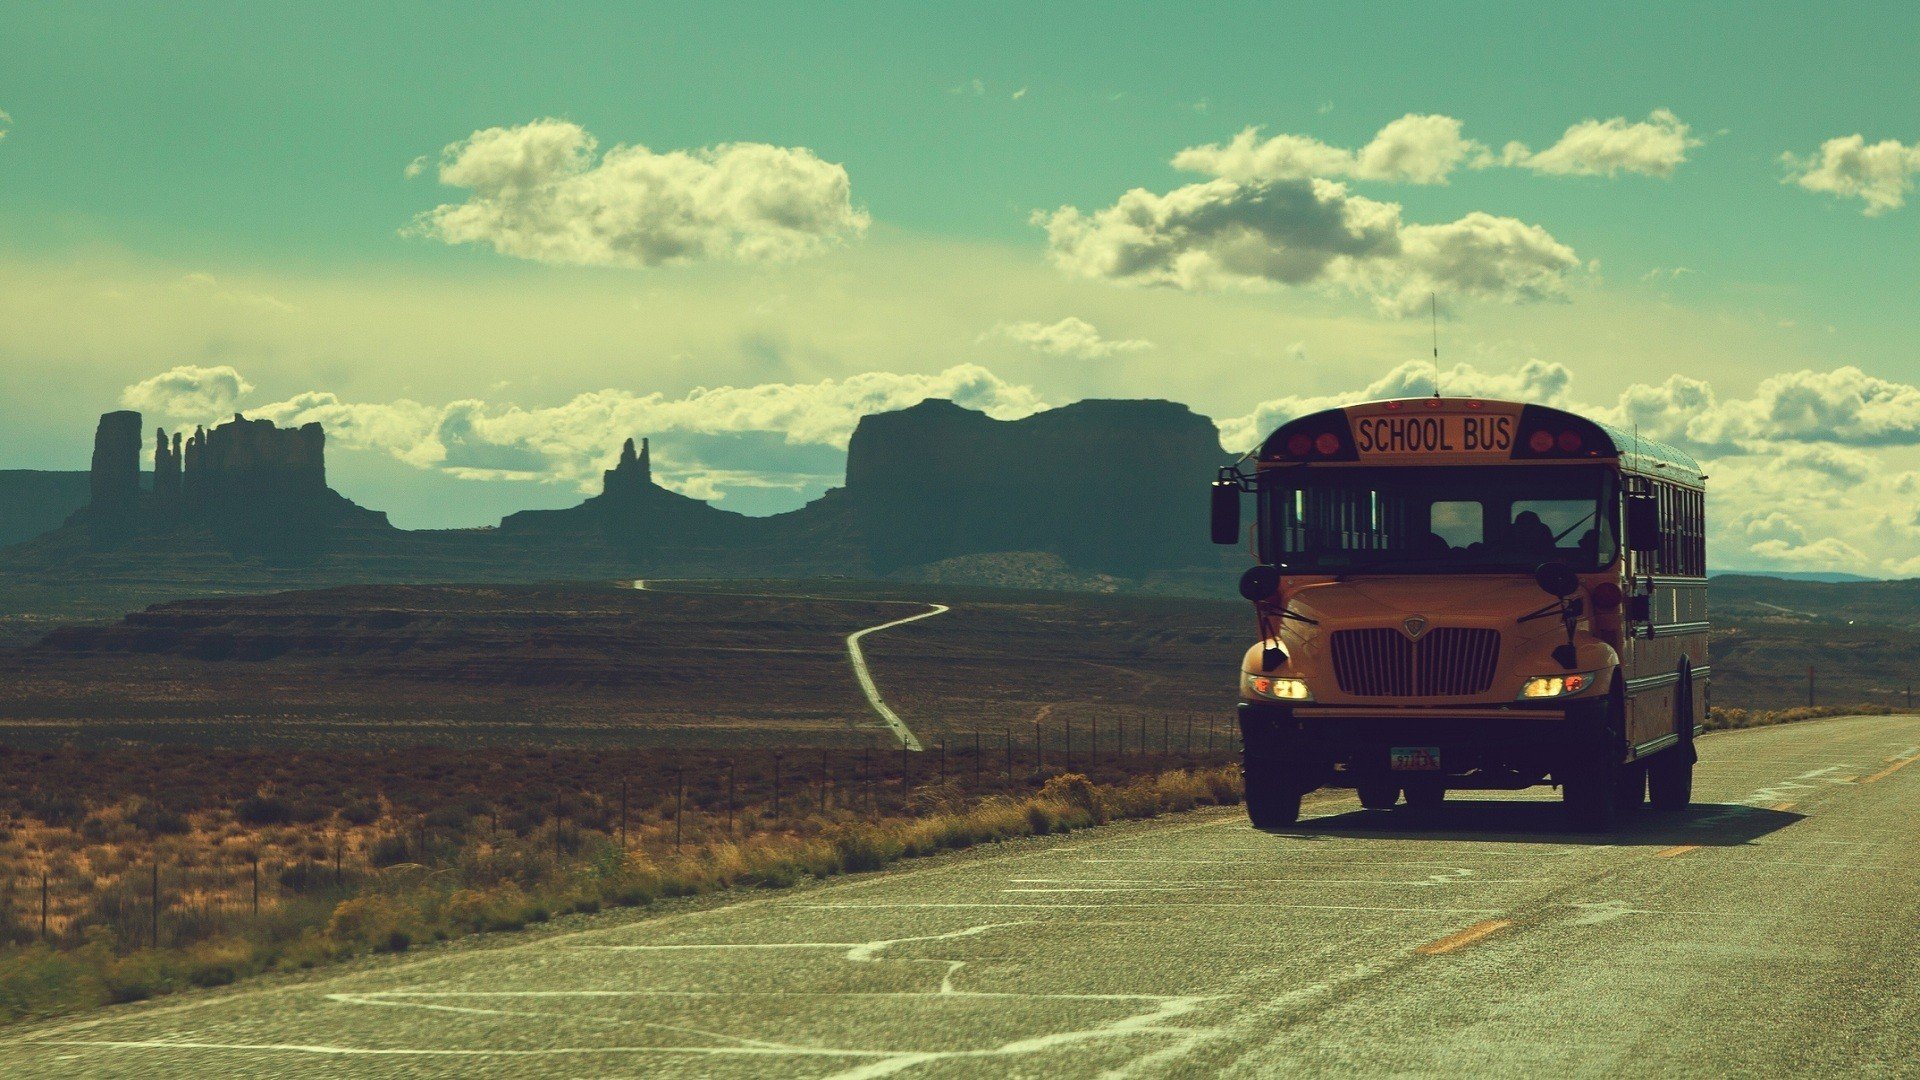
x=485 y=244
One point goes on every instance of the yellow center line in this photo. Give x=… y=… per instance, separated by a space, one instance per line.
x=1464 y=938
x=1676 y=851
x=1891 y=769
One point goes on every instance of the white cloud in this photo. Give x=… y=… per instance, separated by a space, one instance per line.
x=188 y=393
x=571 y=442
x=1222 y=233
x=1844 y=406
x=1427 y=148
x=1653 y=147
x=1415 y=149
x=1536 y=381
x=1879 y=175
x=1070 y=337
x=6 y=123
x=540 y=193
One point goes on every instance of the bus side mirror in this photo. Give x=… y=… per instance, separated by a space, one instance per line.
x=1260 y=582
x=1226 y=512
x=1643 y=523
x=1557 y=579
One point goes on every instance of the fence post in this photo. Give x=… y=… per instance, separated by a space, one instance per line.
x=1039 y=756
x=866 y=779
x=729 y=799
x=943 y=759
x=339 y=853
x=679 y=802
x=1009 y=735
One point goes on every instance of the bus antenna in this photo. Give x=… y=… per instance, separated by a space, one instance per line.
x=1433 y=313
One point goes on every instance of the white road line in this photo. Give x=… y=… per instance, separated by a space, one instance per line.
x=859 y=659
x=899 y=726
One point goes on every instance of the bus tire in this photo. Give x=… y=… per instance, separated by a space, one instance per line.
x=1590 y=781
x=1377 y=794
x=1590 y=792
x=1426 y=794
x=1272 y=794
x=1670 y=773
x=1631 y=790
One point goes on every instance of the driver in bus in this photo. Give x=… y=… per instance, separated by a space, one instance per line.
x=1530 y=536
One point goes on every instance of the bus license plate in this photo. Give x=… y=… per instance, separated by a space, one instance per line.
x=1414 y=759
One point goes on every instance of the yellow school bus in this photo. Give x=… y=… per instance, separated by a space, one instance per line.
x=1456 y=593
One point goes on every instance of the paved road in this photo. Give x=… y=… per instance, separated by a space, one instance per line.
x=855 y=655
x=859 y=659
x=1771 y=931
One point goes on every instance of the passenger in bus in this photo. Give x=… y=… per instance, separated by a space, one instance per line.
x=1529 y=536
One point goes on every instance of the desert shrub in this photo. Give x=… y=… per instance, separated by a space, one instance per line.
x=302 y=877
x=37 y=982
x=263 y=810
x=1076 y=791
x=159 y=819
x=360 y=812
x=389 y=850
x=54 y=808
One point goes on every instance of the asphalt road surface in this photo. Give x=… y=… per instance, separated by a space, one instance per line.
x=1772 y=930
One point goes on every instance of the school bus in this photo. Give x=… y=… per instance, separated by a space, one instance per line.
x=1462 y=594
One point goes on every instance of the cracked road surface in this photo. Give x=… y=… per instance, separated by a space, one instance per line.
x=1769 y=930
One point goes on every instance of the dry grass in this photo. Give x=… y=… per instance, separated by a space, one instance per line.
x=1719 y=719
x=394 y=886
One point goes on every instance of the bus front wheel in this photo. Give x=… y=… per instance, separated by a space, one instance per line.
x=1272 y=793
x=1377 y=794
x=1591 y=794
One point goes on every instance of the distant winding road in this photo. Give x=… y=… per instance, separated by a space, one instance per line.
x=854 y=654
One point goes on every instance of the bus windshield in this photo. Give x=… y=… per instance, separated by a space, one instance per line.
x=1437 y=520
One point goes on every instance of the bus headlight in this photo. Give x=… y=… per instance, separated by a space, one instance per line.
x=1273 y=689
x=1550 y=686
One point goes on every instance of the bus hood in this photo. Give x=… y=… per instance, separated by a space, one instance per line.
x=1431 y=595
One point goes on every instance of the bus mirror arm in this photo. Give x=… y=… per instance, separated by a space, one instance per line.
x=1569 y=612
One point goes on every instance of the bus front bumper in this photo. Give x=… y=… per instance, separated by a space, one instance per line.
x=1499 y=744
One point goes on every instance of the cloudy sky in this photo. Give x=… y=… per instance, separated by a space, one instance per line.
x=484 y=248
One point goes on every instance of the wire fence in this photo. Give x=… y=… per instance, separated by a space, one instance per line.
x=134 y=872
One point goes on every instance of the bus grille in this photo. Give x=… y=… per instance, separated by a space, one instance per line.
x=1445 y=662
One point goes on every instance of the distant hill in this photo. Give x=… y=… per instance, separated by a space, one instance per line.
x=1795 y=575
x=1833 y=603
x=34 y=502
